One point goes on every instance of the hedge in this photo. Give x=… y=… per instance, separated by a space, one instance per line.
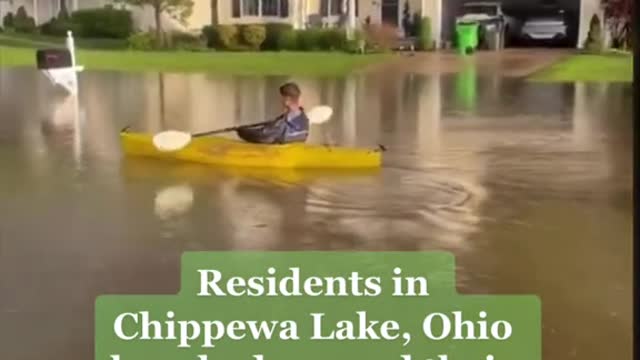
x=106 y=22
x=274 y=37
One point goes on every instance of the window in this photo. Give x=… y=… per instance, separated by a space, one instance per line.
x=250 y=7
x=270 y=8
x=490 y=10
x=334 y=7
x=242 y=8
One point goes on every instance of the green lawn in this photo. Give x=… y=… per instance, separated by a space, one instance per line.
x=20 y=51
x=39 y=41
x=589 y=68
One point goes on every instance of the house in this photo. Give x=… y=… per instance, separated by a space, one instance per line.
x=304 y=13
x=43 y=10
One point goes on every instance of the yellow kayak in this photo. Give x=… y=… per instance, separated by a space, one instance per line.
x=194 y=174
x=220 y=151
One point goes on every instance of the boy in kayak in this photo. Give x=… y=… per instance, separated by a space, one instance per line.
x=292 y=126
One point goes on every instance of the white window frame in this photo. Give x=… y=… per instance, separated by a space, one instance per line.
x=331 y=19
x=260 y=15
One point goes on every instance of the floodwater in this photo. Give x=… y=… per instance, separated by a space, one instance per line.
x=529 y=185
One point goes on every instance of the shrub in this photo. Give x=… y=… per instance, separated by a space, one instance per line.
x=7 y=20
x=424 y=34
x=309 y=39
x=380 y=37
x=104 y=23
x=63 y=14
x=253 y=35
x=416 y=24
x=59 y=27
x=210 y=34
x=288 y=40
x=276 y=35
x=185 y=41
x=332 y=39
x=227 y=36
x=594 y=40
x=143 y=41
x=23 y=22
x=357 y=44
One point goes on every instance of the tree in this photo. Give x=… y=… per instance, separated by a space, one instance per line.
x=178 y=9
x=619 y=17
x=64 y=12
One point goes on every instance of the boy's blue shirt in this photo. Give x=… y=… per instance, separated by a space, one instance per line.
x=288 y=128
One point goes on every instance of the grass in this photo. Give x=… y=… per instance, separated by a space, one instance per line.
x=19 y=50
x=38 y=41
x=610 y=67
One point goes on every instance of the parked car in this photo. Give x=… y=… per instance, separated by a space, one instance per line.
x=551 y=27
x=490 y=13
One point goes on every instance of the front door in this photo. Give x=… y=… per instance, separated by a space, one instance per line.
x=391 y=12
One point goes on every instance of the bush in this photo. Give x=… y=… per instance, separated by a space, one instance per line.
x=106 y=22
x=594 y=40
x=381 y=37
x=227 y=36
x=278 y=36
x=424 y=34
x=253 y=36
x=416 y=24
x=357 y=44
x=288 y=40
x=309 y=39
x=63 y=15
x=210 y=34
x=143 y=41
x=59 y=27
x=7 y=20
x=185 y=41
x=22 y=22
x=333 y=39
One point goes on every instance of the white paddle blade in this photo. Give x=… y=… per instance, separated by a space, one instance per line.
x=320 y=114
x=171 y=140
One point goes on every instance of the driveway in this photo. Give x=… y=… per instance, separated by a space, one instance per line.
x=509 y=62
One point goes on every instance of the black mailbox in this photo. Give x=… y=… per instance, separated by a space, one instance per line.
x=53 y=58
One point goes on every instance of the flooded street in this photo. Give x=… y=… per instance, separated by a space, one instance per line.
x=528 y=184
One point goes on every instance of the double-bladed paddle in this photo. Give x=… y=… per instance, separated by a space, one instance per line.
x=173 y=140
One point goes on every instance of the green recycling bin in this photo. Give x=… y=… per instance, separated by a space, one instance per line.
x=467 y=37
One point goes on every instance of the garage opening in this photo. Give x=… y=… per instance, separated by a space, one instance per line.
x=528 y=23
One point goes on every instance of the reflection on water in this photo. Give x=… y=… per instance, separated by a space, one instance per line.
x=528 y=184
